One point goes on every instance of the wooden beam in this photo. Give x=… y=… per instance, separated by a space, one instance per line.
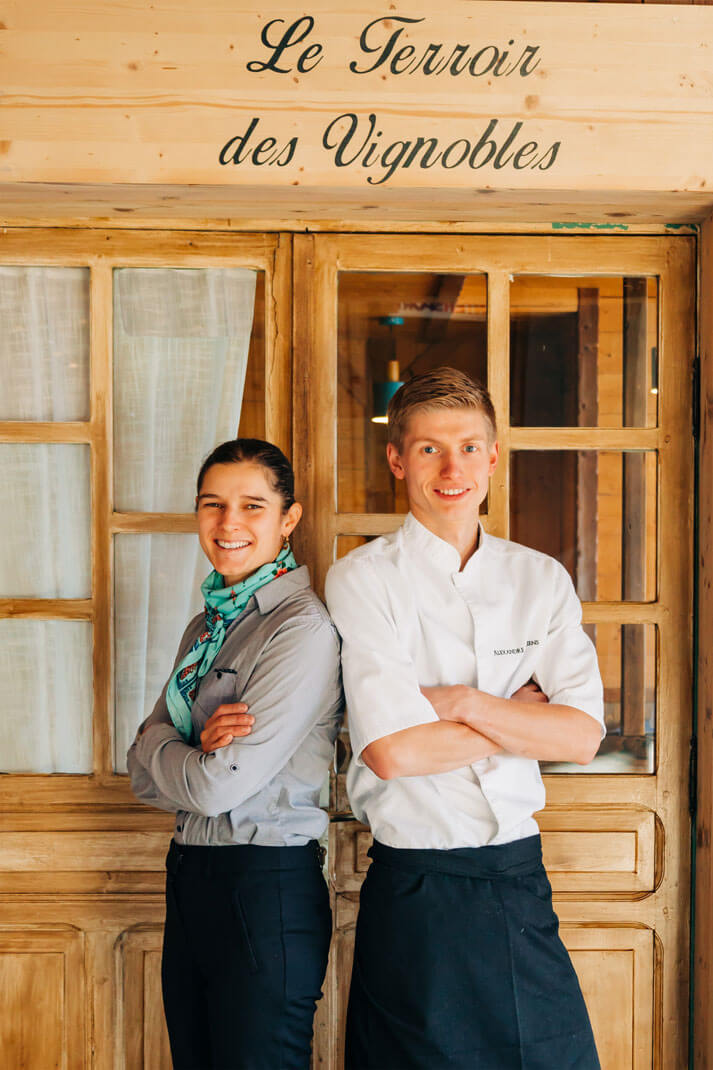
x=129 y=206
x=703 y=957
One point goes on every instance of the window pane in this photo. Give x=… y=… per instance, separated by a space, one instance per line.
x=44 y=343
x=47 y=700
x=157 y=582
x=595 y=512
x=181 y=345
x=627 y=661
x=395 y=325
x=45 y=505
x=583 y=352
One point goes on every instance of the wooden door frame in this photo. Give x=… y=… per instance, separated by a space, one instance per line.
x=703 y=919
x=317 y=261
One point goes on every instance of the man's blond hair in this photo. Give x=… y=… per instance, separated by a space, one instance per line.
x=442 y=388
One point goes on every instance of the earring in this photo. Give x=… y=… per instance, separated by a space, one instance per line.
x=285 y=542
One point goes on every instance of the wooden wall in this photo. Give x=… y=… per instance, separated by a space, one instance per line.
x=166 y=94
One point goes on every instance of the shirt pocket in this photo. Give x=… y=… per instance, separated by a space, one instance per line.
x=219 y=685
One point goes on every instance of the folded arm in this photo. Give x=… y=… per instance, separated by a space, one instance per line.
x=289 y=692
x=427 y=749
x=394 y=730
x=545 y=731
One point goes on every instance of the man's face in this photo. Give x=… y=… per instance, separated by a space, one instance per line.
x=446 y=459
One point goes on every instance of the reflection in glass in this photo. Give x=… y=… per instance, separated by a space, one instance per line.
x=627 y=661
x=45 y=506
x=595 y=511
x=181 y=344
x=583 y=352
x=393 y=325
x=157 y=582
x=44 y=343
x=47 y=699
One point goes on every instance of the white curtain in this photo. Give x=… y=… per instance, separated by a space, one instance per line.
x=46 y=688
x=44 y=505
x=181 y=342
x=157 y=591
x=44 y=343
x=45 y=665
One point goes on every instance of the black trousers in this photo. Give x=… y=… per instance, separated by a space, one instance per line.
x=458 y=963
x=244 y=955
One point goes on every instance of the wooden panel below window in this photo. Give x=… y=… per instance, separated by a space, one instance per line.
x=615 y=967
x=145 y=1037
x=42 y=985
x=604 y=850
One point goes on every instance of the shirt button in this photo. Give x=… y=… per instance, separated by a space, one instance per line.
x=234 y=767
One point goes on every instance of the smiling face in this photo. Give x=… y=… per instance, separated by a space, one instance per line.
x=446 y=458
x=241 y=523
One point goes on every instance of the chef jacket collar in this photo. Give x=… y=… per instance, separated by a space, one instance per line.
x=441 y=553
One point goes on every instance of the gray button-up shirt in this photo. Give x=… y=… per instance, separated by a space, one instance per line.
x=281 y=657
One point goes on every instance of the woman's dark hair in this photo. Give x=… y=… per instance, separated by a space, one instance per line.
x=256 y=451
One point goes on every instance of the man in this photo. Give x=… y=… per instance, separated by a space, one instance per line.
x=453 y=642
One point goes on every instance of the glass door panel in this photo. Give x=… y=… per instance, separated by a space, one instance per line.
x=392 y=325
x=583 y=351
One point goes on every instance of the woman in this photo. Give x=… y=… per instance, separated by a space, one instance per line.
x=238 y=745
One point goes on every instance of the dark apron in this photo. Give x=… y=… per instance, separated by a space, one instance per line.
x=458 y=963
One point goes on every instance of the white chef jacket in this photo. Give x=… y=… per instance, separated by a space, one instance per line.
x=410 y=618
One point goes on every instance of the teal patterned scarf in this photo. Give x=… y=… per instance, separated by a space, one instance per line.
x=222 y=606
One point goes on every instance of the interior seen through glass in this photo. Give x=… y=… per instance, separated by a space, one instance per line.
x=583 y=352
x=392 y=326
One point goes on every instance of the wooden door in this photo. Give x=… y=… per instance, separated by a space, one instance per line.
x=586 y=345
x=81 y=863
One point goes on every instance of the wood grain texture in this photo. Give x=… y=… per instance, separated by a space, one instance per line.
x=174 y=84
x=42 y=973
x=703 y=962
x=499 y=388
x=616 y=971
x=315 y=401
x=100 y=392
x=247 y=208
x=278 y=348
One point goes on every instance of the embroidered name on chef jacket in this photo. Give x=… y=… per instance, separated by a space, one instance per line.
x=519 y=649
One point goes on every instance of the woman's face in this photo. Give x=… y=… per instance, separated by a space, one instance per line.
x=241 y=525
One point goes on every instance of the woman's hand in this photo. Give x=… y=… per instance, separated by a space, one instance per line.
x=229 y=722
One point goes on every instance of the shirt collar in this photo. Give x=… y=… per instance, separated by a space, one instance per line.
x=444 y=556
x=277 y=590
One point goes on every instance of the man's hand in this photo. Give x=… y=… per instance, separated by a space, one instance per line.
x=529 y=692
x=452 y=702
x=229 y=722
x=455 y=702
x=558 y=734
